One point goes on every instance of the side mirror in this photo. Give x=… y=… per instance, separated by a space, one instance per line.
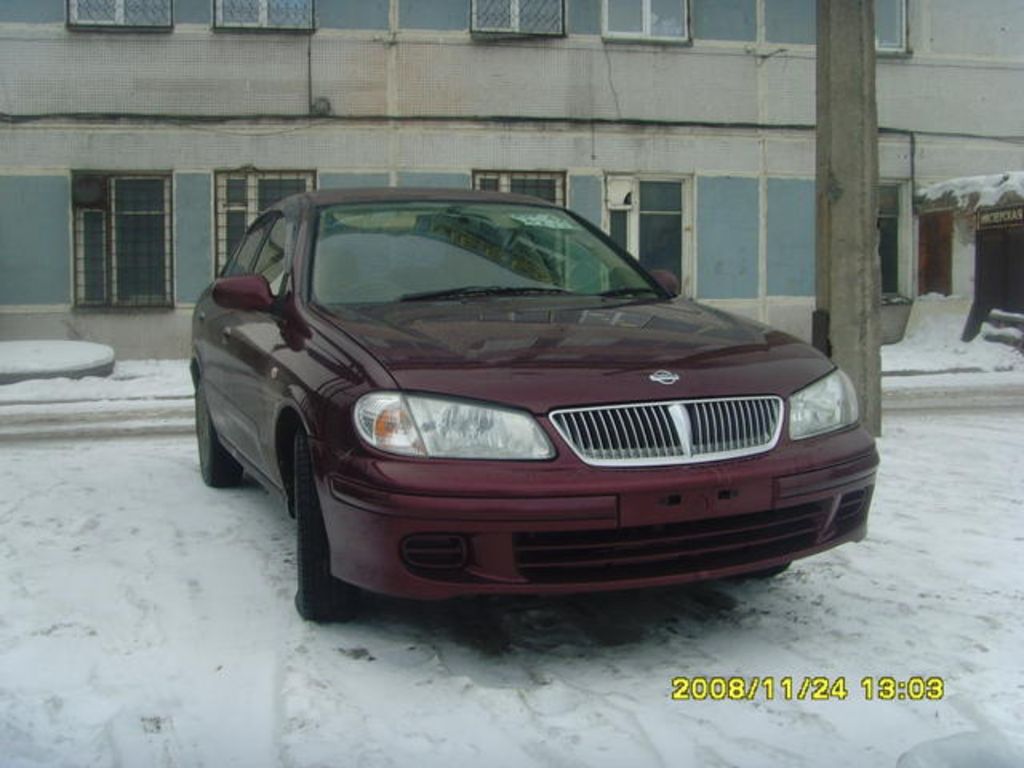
x=666 y=280
x=245 y=292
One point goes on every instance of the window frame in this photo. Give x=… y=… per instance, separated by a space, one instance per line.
x=621 y=194
x=646 y=35
x=253 y=213
x=514 y=28
x=71 y=14
x=109 y=209
x=903 y=47
x=905 y=248
x=263 y=25
x=505 y=178
x=231 y=267
x=273 y=220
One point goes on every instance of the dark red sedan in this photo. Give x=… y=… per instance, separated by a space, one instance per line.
x=466 y=393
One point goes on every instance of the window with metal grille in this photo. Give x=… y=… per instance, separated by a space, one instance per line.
x=241 y=195
x=265 y=14
x=119 y=13
x=122 y=240
x=520 y=17
x=655 y=19
x=545 y=185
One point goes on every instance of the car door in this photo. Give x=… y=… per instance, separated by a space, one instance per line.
x=255 y=345
x=224 y=369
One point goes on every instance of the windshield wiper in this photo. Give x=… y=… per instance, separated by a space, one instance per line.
x=480 y=290
x=628 y=292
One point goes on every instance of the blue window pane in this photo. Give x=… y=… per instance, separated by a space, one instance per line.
x=97 y=10
x=269 y=191
x=790 y=21
x=290 y=13
x=147 y=13
x=493 y=14
x=661 y=196
x=724 y=19
x=240 y=12
x=625 y=16
x=94 y=262
x=141 y=258
x=619 y=221
x=139 y=195
x=667 y=18
x=543 y=17
x=889 y=23
x=661 y=242
x=236 y=192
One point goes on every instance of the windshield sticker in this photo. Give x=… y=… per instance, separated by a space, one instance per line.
x=545 y=220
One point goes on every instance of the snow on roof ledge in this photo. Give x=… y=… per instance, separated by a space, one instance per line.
x=972 y=192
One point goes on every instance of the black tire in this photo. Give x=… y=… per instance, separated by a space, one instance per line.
x=218 y=467
x=320 y=597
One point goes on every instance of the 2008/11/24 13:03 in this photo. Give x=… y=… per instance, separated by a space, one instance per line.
x=811 y=688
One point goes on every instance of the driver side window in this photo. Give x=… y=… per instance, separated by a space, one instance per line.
x=271 y=261
x=242 y=260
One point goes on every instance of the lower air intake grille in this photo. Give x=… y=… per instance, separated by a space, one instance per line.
x=685 y=547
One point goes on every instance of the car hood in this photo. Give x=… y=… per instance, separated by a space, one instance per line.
x=541 y=354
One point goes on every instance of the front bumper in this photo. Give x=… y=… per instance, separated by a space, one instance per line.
x=433 y=530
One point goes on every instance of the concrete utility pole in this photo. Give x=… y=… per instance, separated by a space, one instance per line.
x=846 y=322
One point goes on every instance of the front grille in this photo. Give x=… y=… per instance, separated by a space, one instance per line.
x=684 y=547
x=675 y=432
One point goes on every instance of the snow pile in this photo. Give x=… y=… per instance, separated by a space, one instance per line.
x=131 y=380
x=977 y=191
x=932 y=343
x=43 y=359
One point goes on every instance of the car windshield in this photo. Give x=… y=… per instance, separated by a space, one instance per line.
x=388 y=252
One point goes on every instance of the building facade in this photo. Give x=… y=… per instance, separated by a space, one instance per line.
x=138 y=137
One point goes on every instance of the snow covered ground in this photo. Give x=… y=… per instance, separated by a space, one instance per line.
x=932 y=343
x=147 y=621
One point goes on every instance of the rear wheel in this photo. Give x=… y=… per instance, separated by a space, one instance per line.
x=320 y=596
x=218 y=467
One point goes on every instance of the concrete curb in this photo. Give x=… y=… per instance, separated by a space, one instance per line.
x=971 y=398
x=96 y=419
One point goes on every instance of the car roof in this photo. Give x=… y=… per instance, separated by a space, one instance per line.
x=324 y=197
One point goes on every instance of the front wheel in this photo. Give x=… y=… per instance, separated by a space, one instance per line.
x=218 y=467
x=320 y=596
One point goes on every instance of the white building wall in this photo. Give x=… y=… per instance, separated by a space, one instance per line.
x=406 y=102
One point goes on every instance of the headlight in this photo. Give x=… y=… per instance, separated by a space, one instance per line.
x=825 y=406
x=415 y=425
